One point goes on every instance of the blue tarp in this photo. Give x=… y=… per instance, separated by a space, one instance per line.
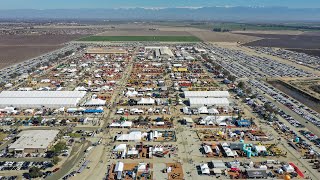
x=243 y=123
x=93 y=111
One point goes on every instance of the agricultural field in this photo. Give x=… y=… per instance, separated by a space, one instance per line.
x=143 y=38
x=18 y=48
x=10 y=55
x=143 y=32
x=302 y=41
x=210 y=36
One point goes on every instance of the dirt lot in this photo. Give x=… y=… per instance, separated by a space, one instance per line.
x=210 y=36
x=36 y=39
x=205 y=35
x=284 y=32
x=17 y=48
x=302 y=41
x=14 y=54
x=143 y=33
x=313 y=52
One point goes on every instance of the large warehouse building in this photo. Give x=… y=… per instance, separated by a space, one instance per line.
x=161 y=52
x=33 y=141
x=106 y=51
x=206 y=94
x=38 y=99
x=209 y=102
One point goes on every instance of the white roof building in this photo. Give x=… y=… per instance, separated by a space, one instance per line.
x=209 y=102
x=206 y=94
x=95 y=102
x=132 y=136
x=146 y=101
x=32 y=141
x=204 y=168
x=120 y=147
x=125 y=124
x=38 y=99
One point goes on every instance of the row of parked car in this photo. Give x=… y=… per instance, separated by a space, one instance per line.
x=23 y=165
x=299 y=58
x=287 y=101
x=312 y=137
x=73 y=173
x=8 y=177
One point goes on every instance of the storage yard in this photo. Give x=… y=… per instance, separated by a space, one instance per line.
x=183 y=109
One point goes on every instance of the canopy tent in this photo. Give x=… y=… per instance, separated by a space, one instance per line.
x=95 y=102
x=204 y=168
x=146 y=101
x=207 y=149
x=119 y=167
x=217 y=171
x=288 y=168
x=121 y=124
x=203 y=110
x=133 y=151
x=213 y=111
x=218 y=164
x=132 y=136
x=120 y=147
x=157 y=149
x=131 y=93
x=142 y=167
x=260 y=149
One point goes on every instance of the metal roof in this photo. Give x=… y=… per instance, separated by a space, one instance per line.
x=213 y=94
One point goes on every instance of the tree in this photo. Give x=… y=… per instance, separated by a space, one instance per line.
x=122 y=119
x=231 y=78
x=140 y=118
x=55 y=160
x=63 y=122
x=241 y=85
x=35 y=172
x=59 y=147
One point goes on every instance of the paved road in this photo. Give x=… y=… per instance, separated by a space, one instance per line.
x=70 y=162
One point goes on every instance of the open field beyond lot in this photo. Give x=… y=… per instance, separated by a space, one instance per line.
x=143 y=38
x=143 y=32
x=17 y=48
x=10 y=55
x=302 y=41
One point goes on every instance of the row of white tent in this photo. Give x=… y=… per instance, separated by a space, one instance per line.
x=215 y=120
x=137 y=135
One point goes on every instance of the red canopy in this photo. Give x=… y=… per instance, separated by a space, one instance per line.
x=297 y=169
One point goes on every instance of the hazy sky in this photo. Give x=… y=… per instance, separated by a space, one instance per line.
x=74 y=4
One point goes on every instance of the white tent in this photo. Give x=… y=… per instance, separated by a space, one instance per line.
x=146 y=101
x=142 y=167
x=186 y=110
x=204 y=168
x=132 y=136
x=120 y=147
x=260 y=149
x=288 y=168
x=131 y=93
x=119 y=167
x=217 y=171
x=159 y=123
x=95 y=102
x=213 y=111
x=207 y=149
x=203 y=110
x=157 y=149
x=133 y=151
x=121 y=124
x=218 y=164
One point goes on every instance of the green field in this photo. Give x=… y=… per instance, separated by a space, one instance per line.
x=142 y=38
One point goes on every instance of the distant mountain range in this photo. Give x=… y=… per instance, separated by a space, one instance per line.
x=203 y=13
